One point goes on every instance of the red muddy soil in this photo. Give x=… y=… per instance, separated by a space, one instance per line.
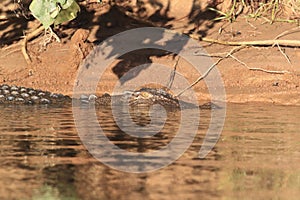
x=54 y=67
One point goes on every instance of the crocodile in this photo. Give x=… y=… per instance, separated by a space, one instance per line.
x=145 y=96
x=22 y=95
x=141 y=97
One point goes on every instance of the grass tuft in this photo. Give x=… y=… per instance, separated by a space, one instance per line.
x=271 y=10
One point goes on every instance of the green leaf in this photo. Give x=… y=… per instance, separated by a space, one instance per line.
x=67 y=14
x=55 y=12
x=50 y=12
x=66 y=3
x=41 y=9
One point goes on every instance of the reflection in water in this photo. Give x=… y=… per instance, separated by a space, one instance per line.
x=162 y=131
x=257 y=157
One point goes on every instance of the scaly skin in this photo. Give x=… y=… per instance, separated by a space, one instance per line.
x=144 y=97
x=23 y=95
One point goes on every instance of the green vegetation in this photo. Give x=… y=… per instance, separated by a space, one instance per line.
x=270 y=10
x=55 y=12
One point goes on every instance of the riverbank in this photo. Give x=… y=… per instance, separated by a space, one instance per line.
x=55 y=65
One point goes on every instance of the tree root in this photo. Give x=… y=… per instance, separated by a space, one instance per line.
x=28 y=37
x=37 y=31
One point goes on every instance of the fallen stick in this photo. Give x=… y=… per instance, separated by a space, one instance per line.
x=287 y=43
x=172 y=76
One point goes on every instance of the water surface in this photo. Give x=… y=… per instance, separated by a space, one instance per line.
x=257 y=157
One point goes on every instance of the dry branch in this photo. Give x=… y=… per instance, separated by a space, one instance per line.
x=284 y=54
x=258 y=68
x=172 y=76
x=209 y=69
x=229 y=54
x=287 y=43
x=293 y=30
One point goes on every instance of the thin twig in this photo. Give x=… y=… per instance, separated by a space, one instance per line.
x=10 y=52
x=241 y=62
x=288 y=43
x=218 y=55
x=234 y=50
x=287 y=32
x=286 y=57
x=259 y=69
x=172 y=77
x=200 y=78
x=269 y=71
x=250 y=24
x=210 y=68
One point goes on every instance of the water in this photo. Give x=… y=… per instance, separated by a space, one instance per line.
x=257 y=157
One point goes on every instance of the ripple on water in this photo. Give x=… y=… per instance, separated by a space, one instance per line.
x=258 y=154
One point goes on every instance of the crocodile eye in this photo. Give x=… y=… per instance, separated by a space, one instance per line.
x=146 y=95
x=143 y=94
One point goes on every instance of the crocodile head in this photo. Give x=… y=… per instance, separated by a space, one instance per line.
x=150 y=96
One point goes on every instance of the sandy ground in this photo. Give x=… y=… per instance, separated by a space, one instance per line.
x=55 y=65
